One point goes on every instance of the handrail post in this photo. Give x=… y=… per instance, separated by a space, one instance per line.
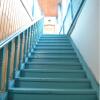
x=15 y=57
x=32 y=31
x=2 y=52
x=20 y=52
x=30 y=39
x=28 y=43
x=35 y=33
x=8 y=66
x=25 y=44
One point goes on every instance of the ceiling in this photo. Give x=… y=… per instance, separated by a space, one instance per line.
x=49 y=7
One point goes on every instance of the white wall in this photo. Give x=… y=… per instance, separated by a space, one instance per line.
x=28 y=5
x=65 y=4
x=37 y=9
x=99 y=41
x=86 y=35
x=64 y=7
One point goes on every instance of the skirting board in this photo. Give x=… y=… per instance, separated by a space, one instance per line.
x=88 y=71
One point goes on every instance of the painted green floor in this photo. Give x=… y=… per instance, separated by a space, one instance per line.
x=53 y=72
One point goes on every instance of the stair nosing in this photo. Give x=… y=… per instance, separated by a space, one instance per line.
x=54 y=63
x=53 y=70
x=53 y=57
x=53 y=52
x=52 y=79
x=53 y=91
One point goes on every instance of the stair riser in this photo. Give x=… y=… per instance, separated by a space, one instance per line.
x=54 y=54
x=28 y=66
x=46 y=43
x=54 y=46
x=63 y=37
x=53 y=75
x=55 y=36
x=52 y=57
x=54 y=60
x=55 y=85
x=53 y=51
x=50 y=38
x=31 y=96
x=56 y=42
x=53 y=39
x=55 y=63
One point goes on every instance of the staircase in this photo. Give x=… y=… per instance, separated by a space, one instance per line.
x=53 y=72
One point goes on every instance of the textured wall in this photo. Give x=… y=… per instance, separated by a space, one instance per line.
x=12 y=16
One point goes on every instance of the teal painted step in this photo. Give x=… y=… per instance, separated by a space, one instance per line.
x=74 y=60
x=51 y=45
x=51 y=94
x=49 y=48
x=55 y=43
x=54 y=54
x=53 y=57
x=54 y=51
x=55 y=63
x=53 y=73
x=56 y=40
x=52 y=83
x=56 y=47
x=54 y=35
x=52 y=66
x=53 y=39
x=51 y=42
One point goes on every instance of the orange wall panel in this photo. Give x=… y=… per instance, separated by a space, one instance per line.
x=49 y=7
x=12 y=17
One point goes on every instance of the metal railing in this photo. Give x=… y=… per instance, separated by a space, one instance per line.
x=71 y=17
x=15 y=49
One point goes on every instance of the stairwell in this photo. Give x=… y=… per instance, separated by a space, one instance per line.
x=53 y=72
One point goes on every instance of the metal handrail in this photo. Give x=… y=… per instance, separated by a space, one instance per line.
x=74 y=19
x=64 y=19
x=26 y=10
x=72 y=26
x=18 y=32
